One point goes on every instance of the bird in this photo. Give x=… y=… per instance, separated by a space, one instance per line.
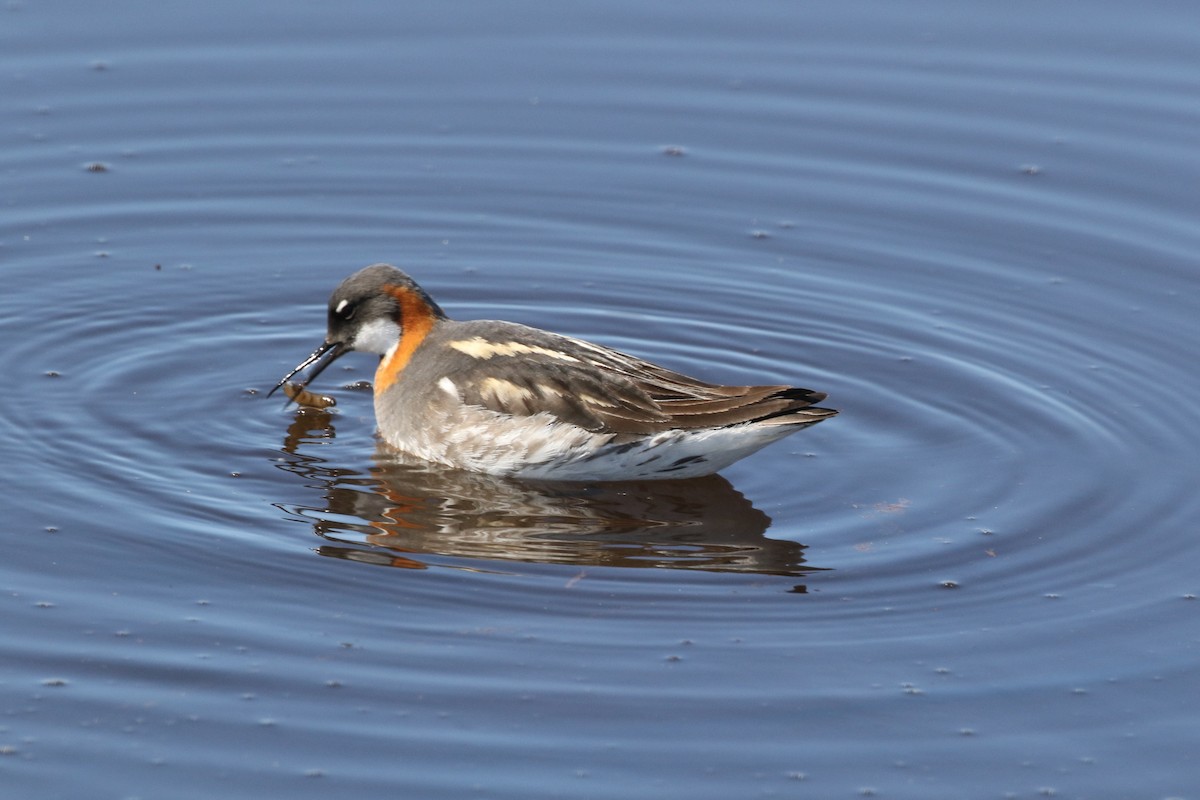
x=520 y=402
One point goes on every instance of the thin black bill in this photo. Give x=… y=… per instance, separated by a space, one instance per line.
x=323 y=356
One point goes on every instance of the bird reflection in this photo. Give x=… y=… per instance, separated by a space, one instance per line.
x=405 y=513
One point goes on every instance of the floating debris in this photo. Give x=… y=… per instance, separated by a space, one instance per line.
x=302 y=396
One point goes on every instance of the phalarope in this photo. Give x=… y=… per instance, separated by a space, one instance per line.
x=508 y=399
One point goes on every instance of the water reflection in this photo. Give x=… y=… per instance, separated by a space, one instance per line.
x=402 y=512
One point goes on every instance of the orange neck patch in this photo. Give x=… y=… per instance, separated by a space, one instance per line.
x=416 y=321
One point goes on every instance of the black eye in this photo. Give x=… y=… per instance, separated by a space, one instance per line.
x=345 y=310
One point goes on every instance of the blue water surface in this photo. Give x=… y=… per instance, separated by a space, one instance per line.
x=973 y=226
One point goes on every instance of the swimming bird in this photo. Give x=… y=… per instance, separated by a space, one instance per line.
x=508 y=399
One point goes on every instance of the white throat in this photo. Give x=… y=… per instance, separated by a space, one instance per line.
x=377 y=336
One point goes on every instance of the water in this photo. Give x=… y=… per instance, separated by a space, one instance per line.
x=975 y=228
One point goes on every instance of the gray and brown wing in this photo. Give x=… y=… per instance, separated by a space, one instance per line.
x=576 y=393
x=599 y=389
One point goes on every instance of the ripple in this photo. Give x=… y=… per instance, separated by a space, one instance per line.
x=962 y=232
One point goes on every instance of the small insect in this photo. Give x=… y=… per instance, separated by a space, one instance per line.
x=304 y=397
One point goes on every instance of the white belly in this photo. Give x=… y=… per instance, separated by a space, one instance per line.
x=541 y=447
